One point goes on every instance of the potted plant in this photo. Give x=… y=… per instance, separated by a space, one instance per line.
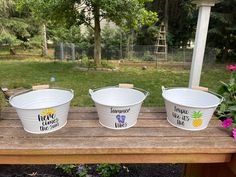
x=226 y=112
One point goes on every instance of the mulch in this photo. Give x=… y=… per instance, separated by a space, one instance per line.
x=128 y=170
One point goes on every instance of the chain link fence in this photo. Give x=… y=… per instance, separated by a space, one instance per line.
x=136 y=52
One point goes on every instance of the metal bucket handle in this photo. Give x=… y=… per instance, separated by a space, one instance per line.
x=196 y=88
x=146 y=93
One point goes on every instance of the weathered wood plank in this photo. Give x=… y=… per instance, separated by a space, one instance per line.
x=104 y=158
x=84 y=140
x=132 y=132
x=152 y=123
x=115 y=145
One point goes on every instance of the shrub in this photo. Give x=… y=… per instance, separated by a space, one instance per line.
x=108 y=170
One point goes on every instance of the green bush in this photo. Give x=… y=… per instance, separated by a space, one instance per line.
x=67 y=169
x=147 y=56
x=106 y=64
x=108 y=170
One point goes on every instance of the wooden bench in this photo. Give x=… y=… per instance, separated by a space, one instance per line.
x=207 y=153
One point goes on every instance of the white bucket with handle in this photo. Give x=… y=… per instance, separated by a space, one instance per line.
x=118 y=107
x=44 y=110
x=190 y=109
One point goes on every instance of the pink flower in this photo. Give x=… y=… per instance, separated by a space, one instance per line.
x=227 y=122
x=231 y=67
x=234 y=133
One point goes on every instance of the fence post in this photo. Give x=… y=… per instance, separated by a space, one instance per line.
x=73 y=51
x=184 y=54
x=121 y=54
x=61 y=53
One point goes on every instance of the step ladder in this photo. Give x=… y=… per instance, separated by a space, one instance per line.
x=161 y=45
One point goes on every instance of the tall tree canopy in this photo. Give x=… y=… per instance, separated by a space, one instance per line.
x=11 y=27
x=222 y=29
x=15 y=27
x=182 y=19
x=125 y=13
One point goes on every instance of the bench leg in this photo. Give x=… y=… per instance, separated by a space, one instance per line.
x=210 y=170
x=232 y=164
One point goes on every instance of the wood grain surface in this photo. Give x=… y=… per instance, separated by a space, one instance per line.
x=84 y=140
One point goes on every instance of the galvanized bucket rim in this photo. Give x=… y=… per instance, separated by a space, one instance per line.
x=196 y=107
x=145 y=94
x=43 y=107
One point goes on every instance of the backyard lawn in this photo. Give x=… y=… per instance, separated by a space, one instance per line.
x=25 y=73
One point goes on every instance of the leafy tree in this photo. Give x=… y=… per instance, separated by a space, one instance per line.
x=64 y=34
x=125 y=13
x=111 y=42
x=37 y=25
x=17 y=27
x=12 y=28
x=147 y=35
x=222 y=29
x=182 y=19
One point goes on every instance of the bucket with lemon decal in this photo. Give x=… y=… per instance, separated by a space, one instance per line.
x=190 y=109
x=42 y=111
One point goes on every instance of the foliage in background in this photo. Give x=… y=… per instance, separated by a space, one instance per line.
x=126 y=13
x=222 y=30
x=147 y=35
x=182 y=19
x=63 y=34
x=112 y=41
x=17 y=28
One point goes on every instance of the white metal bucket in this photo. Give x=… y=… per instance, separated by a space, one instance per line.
x=43 y=111
x=118 y=108
x=189 y=109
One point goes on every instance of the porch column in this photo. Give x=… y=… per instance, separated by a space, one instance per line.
x=200 y=40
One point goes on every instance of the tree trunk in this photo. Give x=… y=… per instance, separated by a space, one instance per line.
x=44 y=47
x=97 y=35
x=166 y=18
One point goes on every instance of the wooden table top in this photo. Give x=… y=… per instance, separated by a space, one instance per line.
x=84 y=140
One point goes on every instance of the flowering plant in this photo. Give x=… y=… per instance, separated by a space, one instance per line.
x=226 y=112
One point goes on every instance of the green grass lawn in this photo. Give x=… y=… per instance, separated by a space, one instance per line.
x=25 y=73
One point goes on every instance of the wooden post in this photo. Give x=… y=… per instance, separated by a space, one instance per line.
x=200 y=41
